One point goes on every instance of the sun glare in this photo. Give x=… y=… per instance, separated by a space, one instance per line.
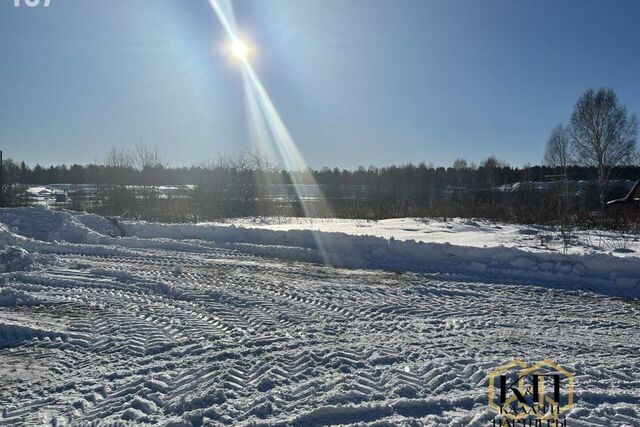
x=239 y=49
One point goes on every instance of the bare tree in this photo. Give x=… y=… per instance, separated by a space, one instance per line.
x=119 y=161
x=116 y=198
x=461 y=168
x=490 y=165
x=149 y=162
x=492 y=162
x=259 y=162
x=603 y=134
x=147 y=157
x=557 y=153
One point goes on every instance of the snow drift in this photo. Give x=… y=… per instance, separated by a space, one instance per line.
x=596 y=272
x=13 y=258
x=603 y=273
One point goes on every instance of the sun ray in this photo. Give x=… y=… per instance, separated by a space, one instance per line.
x=269 y=131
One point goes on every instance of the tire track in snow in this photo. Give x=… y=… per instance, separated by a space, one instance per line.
x=238 y=339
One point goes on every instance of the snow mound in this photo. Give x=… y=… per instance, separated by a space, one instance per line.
x=14 y=333
x=43 y=224
x=598 y=272
x=13 y=258
x=66 y=232
x=10 y=297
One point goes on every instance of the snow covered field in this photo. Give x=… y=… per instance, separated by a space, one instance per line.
x=209 y=324
x=462 y=232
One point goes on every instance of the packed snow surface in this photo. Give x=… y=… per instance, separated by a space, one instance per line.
x=135 y=323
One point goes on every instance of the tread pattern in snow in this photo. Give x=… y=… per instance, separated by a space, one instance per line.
x=231 y=338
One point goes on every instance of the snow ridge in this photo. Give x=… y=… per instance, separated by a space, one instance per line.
x=602 y=273
x=38 y=228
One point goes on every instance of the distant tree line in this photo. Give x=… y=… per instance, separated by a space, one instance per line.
x=489 y=173
x=242 y=186
x=586 y=162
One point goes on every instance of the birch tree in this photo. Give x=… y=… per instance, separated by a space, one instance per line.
x=603 y=135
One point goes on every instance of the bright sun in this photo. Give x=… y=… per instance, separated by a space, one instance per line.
x=239 y=49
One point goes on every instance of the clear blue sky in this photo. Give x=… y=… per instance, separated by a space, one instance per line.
x=358 y=82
